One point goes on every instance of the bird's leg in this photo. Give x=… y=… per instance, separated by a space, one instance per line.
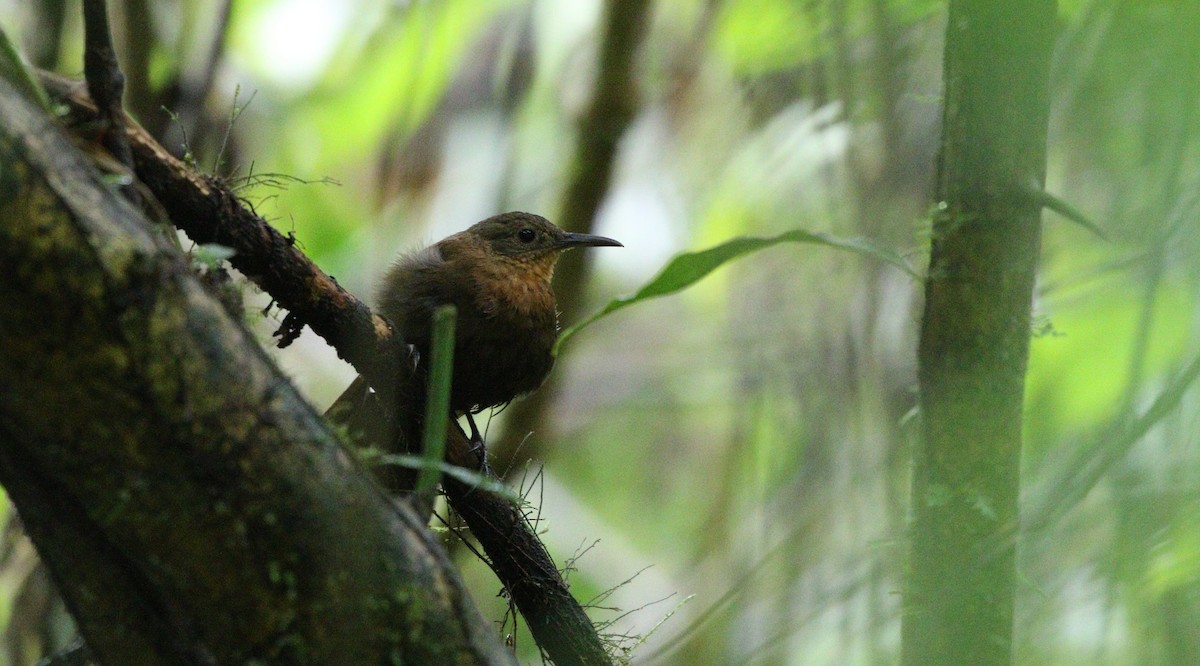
x=414 y=356
x=477 y=446
x=476 y=438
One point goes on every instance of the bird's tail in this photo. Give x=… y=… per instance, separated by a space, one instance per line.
x=368 y=425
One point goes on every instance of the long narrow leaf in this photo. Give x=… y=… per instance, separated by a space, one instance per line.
x=688 y=268
x=13 y=70
x=469 y=477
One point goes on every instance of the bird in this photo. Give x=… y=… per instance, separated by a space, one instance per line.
x=497 y=274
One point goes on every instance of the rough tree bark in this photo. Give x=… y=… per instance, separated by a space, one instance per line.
x=975 y=333
x=191 y=507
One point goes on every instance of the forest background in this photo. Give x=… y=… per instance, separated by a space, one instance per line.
x=737 y=457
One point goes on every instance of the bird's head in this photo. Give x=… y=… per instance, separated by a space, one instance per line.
x=525 y=237
x=511 y=258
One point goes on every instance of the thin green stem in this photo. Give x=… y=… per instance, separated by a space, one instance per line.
x=437 y=407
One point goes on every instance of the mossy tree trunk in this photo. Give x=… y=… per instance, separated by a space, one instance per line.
x=975 y=330
x=191 y=508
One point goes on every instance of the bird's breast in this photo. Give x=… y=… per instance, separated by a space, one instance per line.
x=517 y=297
x=504 y=349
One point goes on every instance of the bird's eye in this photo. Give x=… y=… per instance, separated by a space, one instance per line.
x=526 y=235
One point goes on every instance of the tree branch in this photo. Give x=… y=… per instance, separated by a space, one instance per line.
x=519 y=559
x=209 y=212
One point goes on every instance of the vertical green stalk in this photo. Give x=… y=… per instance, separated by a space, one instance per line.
x=974 y=343
x=437 y=407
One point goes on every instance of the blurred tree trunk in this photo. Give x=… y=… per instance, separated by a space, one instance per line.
x=190 y=507
x=975 y=332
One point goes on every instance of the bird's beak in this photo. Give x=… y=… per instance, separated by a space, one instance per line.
x=570 y=240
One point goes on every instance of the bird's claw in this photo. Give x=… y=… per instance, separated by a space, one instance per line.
x=414 y=356
x=477 y=447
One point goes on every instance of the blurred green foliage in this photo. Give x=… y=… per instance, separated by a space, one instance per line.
x=745 y=438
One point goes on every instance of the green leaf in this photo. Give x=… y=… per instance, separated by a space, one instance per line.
x=469 y=477
x=15 y=72
x=688 y=268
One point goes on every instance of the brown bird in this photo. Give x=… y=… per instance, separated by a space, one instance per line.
x=497 y=274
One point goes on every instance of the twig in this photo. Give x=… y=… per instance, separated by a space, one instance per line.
x=1046 y=200
x=106 y=83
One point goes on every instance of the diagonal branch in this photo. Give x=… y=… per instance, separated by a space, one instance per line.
x=209 y=212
